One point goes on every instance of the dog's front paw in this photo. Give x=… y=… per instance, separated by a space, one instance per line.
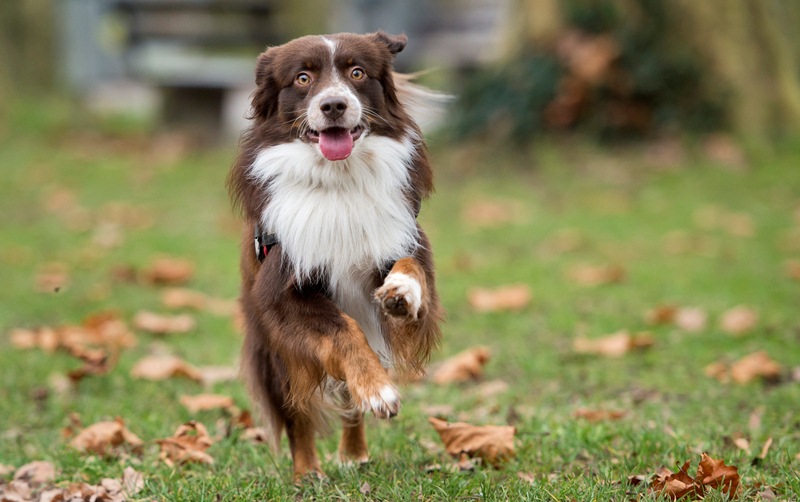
x=383 y=402
x=400 y=295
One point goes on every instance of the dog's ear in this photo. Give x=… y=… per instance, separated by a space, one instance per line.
x=265 y=98
x=395 y=43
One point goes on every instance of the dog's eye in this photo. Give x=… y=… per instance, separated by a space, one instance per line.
x=357 y=74
x=303 y=79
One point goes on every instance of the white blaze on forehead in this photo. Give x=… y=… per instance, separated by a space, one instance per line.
x=336 y=88
x=331 y=46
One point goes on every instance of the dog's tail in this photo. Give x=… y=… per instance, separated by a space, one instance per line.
x=425 y=106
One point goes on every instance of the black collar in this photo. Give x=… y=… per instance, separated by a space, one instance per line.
x=263 y=242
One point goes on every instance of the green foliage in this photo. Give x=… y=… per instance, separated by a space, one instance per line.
x=654 y=83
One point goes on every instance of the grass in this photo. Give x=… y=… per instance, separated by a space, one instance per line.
x=616 y=206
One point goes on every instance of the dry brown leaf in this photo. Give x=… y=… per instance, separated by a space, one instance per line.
x=490 y=388
x=257 y=435
x=178 y=298
x=162 y=367
x=215 y=374
x=719 y=371
x=590 y=275
x=493 y=443
x=103 y=438
x=158 y=324
x=204 y=402
x=691 y=319
x=676 y=485
x=663 y=314
x=464 y=366
x=5 y=470
x=513 y=297
x=105 y=329
x=715 y=474
x=188 y=444
x=595 y=415
x=615 y=345
x=686 y=318
x=738 y=320
x=168 y=271
x=753 y=366
x=36 y=473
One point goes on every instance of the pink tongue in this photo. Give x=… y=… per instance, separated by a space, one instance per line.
x=335 y=143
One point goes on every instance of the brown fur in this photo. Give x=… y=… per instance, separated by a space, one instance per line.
x=297 y=340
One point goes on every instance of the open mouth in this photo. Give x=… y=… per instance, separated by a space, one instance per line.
x=336 y=143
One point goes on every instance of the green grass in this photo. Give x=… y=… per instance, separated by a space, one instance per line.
x=619 y=204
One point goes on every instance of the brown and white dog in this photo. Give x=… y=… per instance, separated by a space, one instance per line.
x=340 y=283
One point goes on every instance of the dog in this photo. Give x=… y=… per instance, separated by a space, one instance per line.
x=337 y=275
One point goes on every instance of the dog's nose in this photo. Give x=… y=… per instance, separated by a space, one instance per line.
x=333 y=107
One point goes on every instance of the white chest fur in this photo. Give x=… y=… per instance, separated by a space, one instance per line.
x=345 y=218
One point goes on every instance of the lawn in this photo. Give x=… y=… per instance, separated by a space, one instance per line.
x=88 y=206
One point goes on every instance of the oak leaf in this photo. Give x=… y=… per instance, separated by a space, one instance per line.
x=162 y=367
x=492 y=443
x=102 y=438
x=714 y=473
x=513 y=297
x=676 y=485
x=614 y=345
x=188 y=444
x=464 y=366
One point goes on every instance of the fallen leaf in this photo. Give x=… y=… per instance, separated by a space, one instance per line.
x=528 y=477
x=755 y=365
x=257 y=435
x=738 y=320
x=663 y=314
x=168 y=271
x=676 y=485
x=103 y=438
x=177 y=298
x=36 y=473
x=493 y=443
x=464 y=366
x=16 y=491
x=132 y=481
x=595 y=415
x=765 y=448
x=691 y=319
x=215 y=374
x=5 y=470
x=715 y=474
x=365 y=489
x=188 y=444
x=204 y=402
x=739 y=224
x=162 y=367
x=163 y=324
x=615 y=345
x=719 y=371
x=513 y=297
x=590 y=275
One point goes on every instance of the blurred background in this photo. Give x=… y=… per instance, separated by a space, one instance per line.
x=614 y=69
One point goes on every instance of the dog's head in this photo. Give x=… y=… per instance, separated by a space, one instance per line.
x=330 y=91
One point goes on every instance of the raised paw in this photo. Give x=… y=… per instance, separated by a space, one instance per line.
x=383 y=402
x=400 y=295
